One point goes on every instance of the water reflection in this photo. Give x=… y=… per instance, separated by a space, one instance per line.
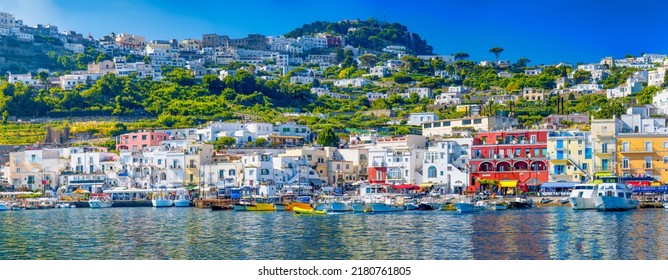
x=177 y=233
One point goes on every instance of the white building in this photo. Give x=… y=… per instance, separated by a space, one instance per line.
x=446 y=163
x=376 y=95
x=26 y=79
x=379 y=71
x=402 y=164
x=660 y=101
x=656 y=77
x=533 y=72
x=35 y=169
x=258 y=169
x=419 y=118
x=355 y=82
x=448 y=127
x=69 y=81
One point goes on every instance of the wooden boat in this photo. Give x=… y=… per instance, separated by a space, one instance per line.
x=299 y=210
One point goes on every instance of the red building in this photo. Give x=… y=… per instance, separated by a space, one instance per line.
x=508 y=160
x=139 y=140
x=334 y=41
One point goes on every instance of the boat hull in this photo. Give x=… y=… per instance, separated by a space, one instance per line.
x=466 y=207
x=382 y=207
x=449 y=207
x=281 y=207
x=497 y=207
x=300 y=205
x=161 y=203
x=240 y=207
x=582 y=203
x=357 y=206
x=412 y=206
x=4 y=207
x=182 y=203
x=298 y=210
x=260 y=207
x=614 y=203
x=99 y=204
x=425 y=207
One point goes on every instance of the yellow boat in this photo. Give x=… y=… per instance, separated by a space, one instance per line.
x=449 y=207
x=299 y=210
x=301 y=205
x=259 y=206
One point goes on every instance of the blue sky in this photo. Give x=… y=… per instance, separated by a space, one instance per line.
x=545 y=31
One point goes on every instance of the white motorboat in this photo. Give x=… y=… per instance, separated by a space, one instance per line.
x=182 y=199
x=582 y=196
x=614 y=196
x=100 y=201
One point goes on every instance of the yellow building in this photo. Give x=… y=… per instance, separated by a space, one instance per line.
x=643 y=154
x=603 y=134
x=196 y=155
x=570 y=155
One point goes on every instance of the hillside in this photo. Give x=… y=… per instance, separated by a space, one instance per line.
x=370 y=34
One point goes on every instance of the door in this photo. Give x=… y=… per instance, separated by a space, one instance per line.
x=560 y=154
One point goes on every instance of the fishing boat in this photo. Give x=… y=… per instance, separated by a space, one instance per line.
x=100 y=201
x=520 y=203
x=466 y=207
x=241 y=205
x=182 y=198
x=388 y=204
x=357 y=205
x=334 y=204
x=299 y=210
x=161 y=199
x=614 y=196
x=260 y=204
x=303 y=202
x=582 y=196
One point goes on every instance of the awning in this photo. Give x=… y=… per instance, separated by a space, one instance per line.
x=406 y=187
x=508 y=183
x=427 y=185
x=532 y=182
x=316 y=182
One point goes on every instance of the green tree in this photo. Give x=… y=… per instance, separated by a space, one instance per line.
x=496 y=51
x=581 y=76
x=327 y=137
x=367 y=60
x=461 y=56
x=224 y=142
x=260 y=142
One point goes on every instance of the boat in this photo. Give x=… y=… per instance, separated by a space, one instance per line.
x=425 y=206
x=334 y=204
x=299 y=210
x=520 y=203
x=614 y=196
x=497 y=205
x=412 y=206
x=260 y=204
x=357 y=206
x=388 y=204
x=546 y=200
x=449 y=206
x=665 y=204
x=303 y=202
x=5 y=206
x=466 y=207
x=217 y=208
x=65 y=205
x=161 y=199
x=182 y=198
x=582 y=196
x=100 y=201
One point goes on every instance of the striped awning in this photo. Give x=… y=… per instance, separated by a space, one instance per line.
x=508 y=183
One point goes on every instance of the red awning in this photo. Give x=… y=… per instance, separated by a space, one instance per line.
x=407 y=187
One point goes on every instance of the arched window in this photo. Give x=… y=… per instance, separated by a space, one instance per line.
x=232 y=172
x=431 y=172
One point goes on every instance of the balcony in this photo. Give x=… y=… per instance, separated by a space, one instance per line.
x=637 y=150
x=604 y=153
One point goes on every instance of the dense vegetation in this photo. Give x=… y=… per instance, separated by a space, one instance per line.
x=369 y=34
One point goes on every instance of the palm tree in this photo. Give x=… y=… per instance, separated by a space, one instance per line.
x=496 y=51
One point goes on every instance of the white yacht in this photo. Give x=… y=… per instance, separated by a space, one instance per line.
x=582 y=196
x=100 y=201
x=614 y=196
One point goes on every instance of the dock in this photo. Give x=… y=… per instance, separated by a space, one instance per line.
x=207 y=203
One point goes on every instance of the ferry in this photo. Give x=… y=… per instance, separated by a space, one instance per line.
x=614 y=196
x=582 y=196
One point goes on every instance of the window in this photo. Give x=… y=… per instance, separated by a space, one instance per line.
x=437 y=124
x=477 y=121
x=625 y=146
x=159 y=161
x=231 y=172
x=431 y=172
x=134 y=137
x=192 y=178
x=446 y=123
x=221 y=174
x=648 y=162
x=604 y=148
x=427 y=125
x=466 y=122
x=143 y=137
x=625 y=163
x=33 y=158
x=665 y=145
x=648 y=146
x=264 y=171
x=579 y=152
x=286 y=129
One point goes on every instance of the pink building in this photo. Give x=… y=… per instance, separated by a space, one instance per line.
x=139 y=140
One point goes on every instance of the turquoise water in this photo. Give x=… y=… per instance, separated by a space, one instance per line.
x=189 y=233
